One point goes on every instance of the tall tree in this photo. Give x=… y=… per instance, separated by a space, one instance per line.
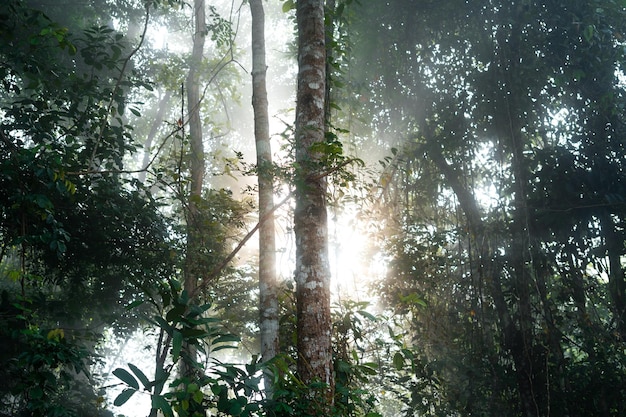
x=193 y=266
x=76 y=244
x=310 y=218
x=525 y=107
x=268 y=297
x=192 y=86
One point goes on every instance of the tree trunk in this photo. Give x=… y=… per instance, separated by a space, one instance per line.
x=268 y=297
x=486 y=267
x=310 y=218
x=196 y=145
x=614 y=243
x=194 y=221
x=158 y=119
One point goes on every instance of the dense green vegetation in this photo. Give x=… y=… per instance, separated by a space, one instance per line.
x=506 y=202
x=481 y=142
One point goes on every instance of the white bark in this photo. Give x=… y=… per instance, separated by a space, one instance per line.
x=268 y=297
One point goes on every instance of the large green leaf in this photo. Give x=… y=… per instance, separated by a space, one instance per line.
x=177 y=344
x=142 y=377
x=126 y=377
x=124 y=396
x=398 y=361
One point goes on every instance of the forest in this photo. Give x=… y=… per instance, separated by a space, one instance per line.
x=292 y=208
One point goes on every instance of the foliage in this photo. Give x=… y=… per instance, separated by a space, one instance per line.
x=504 y=200
x=78 y=239
x=48 y=374
x=230 y=389
x=183 y=324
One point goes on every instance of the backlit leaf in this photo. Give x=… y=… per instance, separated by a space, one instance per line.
x=126 y=377
x=124 y=396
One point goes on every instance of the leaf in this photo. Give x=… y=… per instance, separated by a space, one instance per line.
x=124 y=396
x=142 y=377
x=367 y=315
x=36 y=393
x=413 y=299
x=198 y=396
x=175 y=314
x=588 y=33
x=134 y=304
x=398 y=361
x=160 y=403
x=288 y=5
x=177 y=344
x=163 y=324
x=226 y=338
x=126 y=377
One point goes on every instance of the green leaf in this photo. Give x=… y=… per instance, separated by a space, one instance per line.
x=193 y=333
x=36 y=393
x=160 y=321
x=367 y=315
x=126 y=377
x=588 y=33
x=177 y=344
x=175 y=314
x=124 y=396
x=288 y=5
x=226 y=338
x=198 y=396
x=160 y=403
x=142 y=377
x=134 y=304
x=398 y=361
x=413 y=299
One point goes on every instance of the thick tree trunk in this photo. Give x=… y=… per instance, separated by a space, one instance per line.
x=310 y=217
x=268 y=297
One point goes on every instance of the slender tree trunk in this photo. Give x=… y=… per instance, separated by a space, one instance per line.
x=513 y=340
x=196 y=145
x=523 y=346
x=268 y=296
x=590 y=332
x=194 y=221
x=158 y=119
x=614 y=242
x=310 y=217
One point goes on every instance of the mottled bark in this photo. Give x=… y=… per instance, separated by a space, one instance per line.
x=312 y=267
x=268 y=297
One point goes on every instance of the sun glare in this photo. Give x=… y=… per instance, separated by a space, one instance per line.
x=351 y=264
